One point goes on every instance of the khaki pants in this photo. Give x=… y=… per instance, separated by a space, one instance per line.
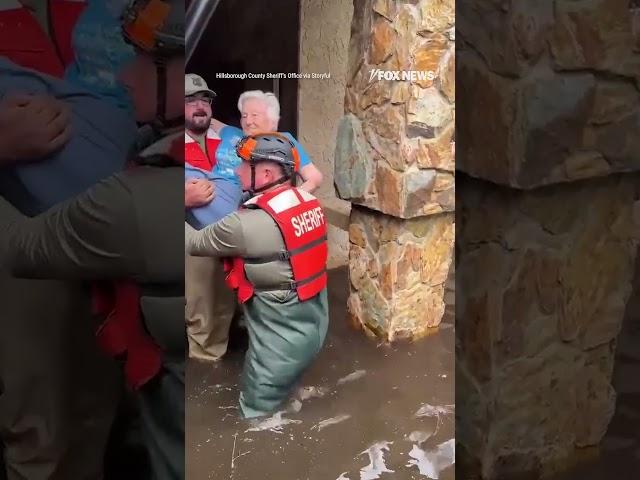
x=60 y=392
x=210 y=306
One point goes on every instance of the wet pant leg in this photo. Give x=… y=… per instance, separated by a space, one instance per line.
x=285 y=336
x=162 y=412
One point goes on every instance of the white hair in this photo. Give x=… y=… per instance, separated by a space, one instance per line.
x=269 y=99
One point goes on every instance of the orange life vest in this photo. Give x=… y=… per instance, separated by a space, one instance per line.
x=302 y=224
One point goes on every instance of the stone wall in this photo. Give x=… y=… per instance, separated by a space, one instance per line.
x=398 y=270
x=394 y=163
x=550 y=113
x=324 y=41
x=552 y=94
x=541 y=293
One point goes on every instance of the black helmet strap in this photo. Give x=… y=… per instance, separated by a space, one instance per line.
x=162 y=123
x=287 y=177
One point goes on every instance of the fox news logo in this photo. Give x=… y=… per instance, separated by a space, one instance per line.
x=401 y=75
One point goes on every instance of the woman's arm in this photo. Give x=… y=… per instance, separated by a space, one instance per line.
x=312 y=177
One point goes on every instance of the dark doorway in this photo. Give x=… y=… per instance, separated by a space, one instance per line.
x=251 y=36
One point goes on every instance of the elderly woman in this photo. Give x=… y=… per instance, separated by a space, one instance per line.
x=259 y=113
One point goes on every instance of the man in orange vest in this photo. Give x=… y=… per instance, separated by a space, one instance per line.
x=210 y=303
x=275 y=250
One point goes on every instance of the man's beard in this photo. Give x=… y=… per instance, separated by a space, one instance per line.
x=198 y=124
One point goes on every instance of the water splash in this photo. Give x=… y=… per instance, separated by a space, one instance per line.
x=420 y=436
x=376 y=465
x=342 y=476
x=305 y=393
x=436 y=412
x=295 y=406
x=427 y=410
x=352 y=376
x=433 y=462
x=331 y=421
x=274 y=423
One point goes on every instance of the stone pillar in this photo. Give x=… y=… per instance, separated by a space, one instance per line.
x=394 y=163
x=548 y=228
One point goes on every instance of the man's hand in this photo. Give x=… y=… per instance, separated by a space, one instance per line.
x=32 y=127
x=198 y=192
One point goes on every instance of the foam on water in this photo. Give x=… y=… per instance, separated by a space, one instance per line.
x=352 y=376
x=274 y=423
x=376 y=465
x=427 y=410
x=331 y=421
x=431 y=463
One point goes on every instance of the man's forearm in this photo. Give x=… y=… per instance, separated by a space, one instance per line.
x=222 y=239
x=68 y=243
x=9 y=217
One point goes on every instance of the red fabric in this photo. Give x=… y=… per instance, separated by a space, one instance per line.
x=310 y=262
x=236 y=278
x=24 y=42
x=177 y=152
x=64 y=16
x=123 y=332
x=195 y=157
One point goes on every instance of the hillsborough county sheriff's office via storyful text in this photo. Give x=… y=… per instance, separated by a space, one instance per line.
x=269 y=75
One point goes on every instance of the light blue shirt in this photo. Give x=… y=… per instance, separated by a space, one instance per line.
x=226 y=201
x=101 y=52
x=102 y=134
x=228 y=160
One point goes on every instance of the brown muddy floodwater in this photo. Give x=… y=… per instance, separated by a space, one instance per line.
x=363 y=411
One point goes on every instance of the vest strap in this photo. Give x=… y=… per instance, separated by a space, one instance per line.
x=285 y=255
x=291 y=285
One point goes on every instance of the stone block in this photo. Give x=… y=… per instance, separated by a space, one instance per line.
x=437 y=15
x=428 y=55
x=354 y=168
x=398 y=270
x=594 y=35
x=547 y=128
x=383 y=38
x=542 y=287
x=510 y=35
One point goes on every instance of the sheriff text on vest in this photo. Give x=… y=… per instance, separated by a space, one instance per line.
x=307 y=221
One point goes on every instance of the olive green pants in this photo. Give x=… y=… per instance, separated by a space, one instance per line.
x=162 y=411
x=285 y=336
x=161 y=401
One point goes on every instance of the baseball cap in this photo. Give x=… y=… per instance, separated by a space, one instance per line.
x=195 y=84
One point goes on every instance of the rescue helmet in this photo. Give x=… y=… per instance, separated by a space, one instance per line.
x=271 y=147
x=157 y=27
